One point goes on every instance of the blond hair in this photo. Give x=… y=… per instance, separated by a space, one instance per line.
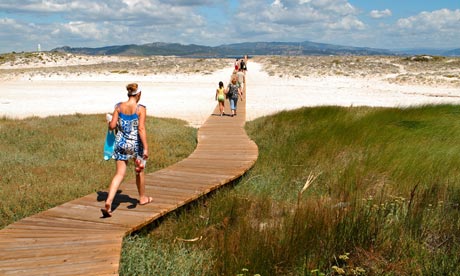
x=132 y=89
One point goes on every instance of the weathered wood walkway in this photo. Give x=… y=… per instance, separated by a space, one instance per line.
x=73 y=239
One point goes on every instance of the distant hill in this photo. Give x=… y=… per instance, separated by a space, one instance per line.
x=299 y=48
x=454 y=52
x=152 y=49
x=428 y=51
x=229 y=50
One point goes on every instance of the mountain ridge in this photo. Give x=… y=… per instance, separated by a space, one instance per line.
x=244 y=48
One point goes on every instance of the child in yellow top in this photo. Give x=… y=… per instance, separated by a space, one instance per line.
x=220 y=97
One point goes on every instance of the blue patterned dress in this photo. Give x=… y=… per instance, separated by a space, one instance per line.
x=128 y=143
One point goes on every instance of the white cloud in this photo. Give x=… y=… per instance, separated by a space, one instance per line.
x=89 y=23
x=438 y=28
x=296 y=20
x=380 y=14
x=34 y=6
x=98 y=23
x=85 y=31
x=110 y=22
x=348 y=23
x=440 y=20
x=277 y=4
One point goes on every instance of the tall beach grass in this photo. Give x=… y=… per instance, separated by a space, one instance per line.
x=45 y=161
x=384 y=200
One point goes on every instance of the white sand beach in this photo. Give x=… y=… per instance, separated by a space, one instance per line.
x=190 y=96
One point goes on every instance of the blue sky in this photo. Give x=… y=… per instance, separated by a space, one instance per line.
x=386 y=24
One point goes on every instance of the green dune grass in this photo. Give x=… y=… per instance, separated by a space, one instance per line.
x=45 y=161
x=384 y=201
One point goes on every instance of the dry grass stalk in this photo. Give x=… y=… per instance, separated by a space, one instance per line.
x=309 y=181
x=190 y=240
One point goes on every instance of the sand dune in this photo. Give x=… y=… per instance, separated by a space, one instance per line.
x=184 y=88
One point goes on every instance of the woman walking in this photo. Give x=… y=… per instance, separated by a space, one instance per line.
x=130 y=143
x=233 y=92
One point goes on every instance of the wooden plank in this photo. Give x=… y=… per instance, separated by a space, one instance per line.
x=176 y=195
x=67 y=223
x=54 y=250
x=187 y=179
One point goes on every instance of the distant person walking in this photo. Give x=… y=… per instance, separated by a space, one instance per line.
x=237 y=64
x=233 y=91
x=220 y=97
x=243 y=63
x=241 y=78
x=130 y=143
x=233 y=75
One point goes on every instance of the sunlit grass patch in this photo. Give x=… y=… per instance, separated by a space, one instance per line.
x=385 y=195
x=45 y=161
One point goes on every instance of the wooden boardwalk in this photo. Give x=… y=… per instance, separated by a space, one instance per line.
x=73 y=239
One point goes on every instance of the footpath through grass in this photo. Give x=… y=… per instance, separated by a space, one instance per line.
x=49 y=161
x=385 y=201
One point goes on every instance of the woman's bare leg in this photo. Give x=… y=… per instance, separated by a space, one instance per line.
x=115 y=184
x=140 y=183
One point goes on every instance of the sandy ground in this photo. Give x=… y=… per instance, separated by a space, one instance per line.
x=190 y=96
